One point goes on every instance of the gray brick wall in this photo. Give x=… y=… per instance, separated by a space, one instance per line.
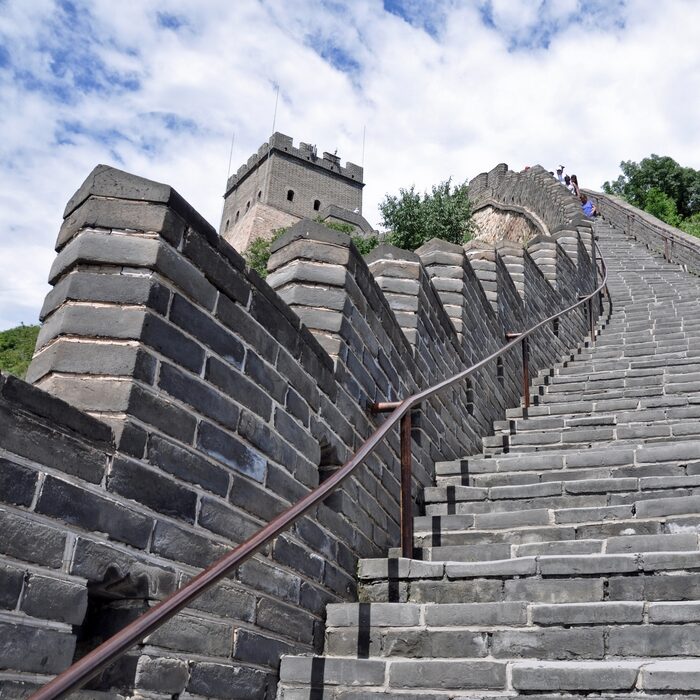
x=203 y=401
x=279 y=168
x=672 y=243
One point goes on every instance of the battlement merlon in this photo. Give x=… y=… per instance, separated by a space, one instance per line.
x=305 y=152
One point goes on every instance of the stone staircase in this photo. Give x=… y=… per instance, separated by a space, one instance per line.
x=564 y=560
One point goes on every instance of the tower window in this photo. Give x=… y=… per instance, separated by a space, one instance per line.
x=247 y=205
x=317 y=204
x=237 y=214
x=228 y=221
x=290 y=195
x=260 y=194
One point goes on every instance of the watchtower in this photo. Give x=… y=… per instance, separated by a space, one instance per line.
x=281 y=184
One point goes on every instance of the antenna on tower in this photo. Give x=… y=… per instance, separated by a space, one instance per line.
x=230 y=155
x=364 y=131
x=274 y=116
x=228 y=172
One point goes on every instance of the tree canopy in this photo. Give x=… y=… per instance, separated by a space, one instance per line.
x=412 y=219
x=16 y=349
x=659 y=185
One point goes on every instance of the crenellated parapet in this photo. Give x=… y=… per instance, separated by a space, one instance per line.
x=181 y=401
x=304 y=152
x=672 y=243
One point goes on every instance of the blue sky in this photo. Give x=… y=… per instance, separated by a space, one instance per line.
x=443 y=88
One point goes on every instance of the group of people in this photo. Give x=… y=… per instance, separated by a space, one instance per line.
x=571 y=184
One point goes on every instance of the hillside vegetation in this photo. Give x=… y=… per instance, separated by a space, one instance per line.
x=16 y=349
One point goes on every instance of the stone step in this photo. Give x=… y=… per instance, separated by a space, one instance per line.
x=648 y=576
x=583 y=538
x=633 y=454
x=505 y=508
x=350 y=678
x=518 y=478
x=452 y=549
x=514 y=630
x=577 y=409
x=581 y=440
x=657 y=506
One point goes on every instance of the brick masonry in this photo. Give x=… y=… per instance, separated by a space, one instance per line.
x=675 y=245
x=293 y=182
x=179 y=402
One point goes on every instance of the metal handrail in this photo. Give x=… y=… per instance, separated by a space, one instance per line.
x=667 y=236
x=110 y=650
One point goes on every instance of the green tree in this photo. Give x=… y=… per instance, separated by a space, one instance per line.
x=641 y=182
x=413 y=218
x=16 y=349
x=258 y=252
x=660 y=205
x=691 y=225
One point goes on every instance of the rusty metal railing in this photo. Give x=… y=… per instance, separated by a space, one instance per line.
x=109 y=651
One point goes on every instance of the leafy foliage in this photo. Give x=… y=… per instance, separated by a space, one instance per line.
x=655 y=181
x=258 y=252
x=338 y=226
x=691 y=225
x=413 y=218
x=16 y=349
x=365 y=244
x=660 y=205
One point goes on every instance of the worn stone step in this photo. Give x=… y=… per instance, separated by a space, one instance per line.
x=681 y=442
x=571 y=493
x=348 y=678
x=392 y=674
x=451 y=530
x=617 y=630
x=584 y=677
x=670 y=476
x=450 y=548
x=650 y=576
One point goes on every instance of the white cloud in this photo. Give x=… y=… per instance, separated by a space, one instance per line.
x=444 y=88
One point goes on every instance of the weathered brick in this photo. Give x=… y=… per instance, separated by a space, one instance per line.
x=55 y=599
x=223 y=520
x=229 y=450
x=10 y=586
x=132 y=480
x=258 y=649
x=187 y=465
x=17 y=483
x=29 y=540
x=93 y=560
x=162 y=675
x=234 y=681
x=203 y=327
x=290 y=621
x=178 y=544
x=239 y=387
x=27 y=437
x=270 y=579
x=291 y=554
x=169 y=341
x=35 y=649
x=216 y=267
x=94 y=513
x=199 y=395
x=157 y=411
x=194 y=634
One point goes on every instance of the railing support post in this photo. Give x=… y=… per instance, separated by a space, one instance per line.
x=591 y=321
x=525 y=346
x=406 y=479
